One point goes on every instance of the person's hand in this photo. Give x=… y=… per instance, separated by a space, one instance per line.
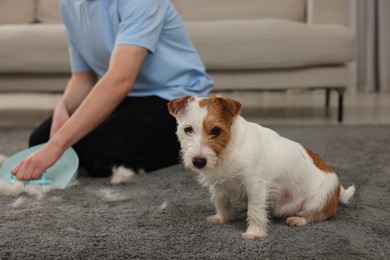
x=34 y=165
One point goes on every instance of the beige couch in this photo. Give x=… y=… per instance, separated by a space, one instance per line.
x=246 y=45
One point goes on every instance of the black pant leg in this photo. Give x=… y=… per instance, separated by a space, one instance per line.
x=140 y=134
x=40 y=134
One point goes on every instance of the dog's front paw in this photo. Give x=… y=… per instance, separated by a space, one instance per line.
x=250 y=235
x=217 y=219
x=254 y=231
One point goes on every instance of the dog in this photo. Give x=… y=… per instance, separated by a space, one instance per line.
x=241 y=160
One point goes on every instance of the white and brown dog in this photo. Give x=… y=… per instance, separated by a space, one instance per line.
x=241 y=160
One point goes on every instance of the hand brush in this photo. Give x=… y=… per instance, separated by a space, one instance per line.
x=59 y=176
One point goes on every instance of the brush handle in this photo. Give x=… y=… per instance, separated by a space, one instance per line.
x=42 y=181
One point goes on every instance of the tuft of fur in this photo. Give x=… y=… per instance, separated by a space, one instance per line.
x=17 y=189
x=346 y=194
x=11 y=190
x=121 y=175
x=164 y=205
x=18 y=202
x=109 y=195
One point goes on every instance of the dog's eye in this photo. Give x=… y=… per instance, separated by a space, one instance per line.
x=216 y=131
x=188 y=130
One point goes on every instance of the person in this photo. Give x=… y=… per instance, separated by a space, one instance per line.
x=128 y=59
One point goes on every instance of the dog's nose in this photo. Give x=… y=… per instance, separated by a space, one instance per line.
x=199 y=162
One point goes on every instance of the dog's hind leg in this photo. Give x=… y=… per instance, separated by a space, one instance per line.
x=328 y=210
x=296 y=221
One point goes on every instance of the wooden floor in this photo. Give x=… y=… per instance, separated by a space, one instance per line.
x=267 y=108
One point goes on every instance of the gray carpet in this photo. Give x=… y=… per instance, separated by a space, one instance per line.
x=162 y=215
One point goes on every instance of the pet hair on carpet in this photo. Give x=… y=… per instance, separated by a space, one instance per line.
x=15 y=190
x=164 y=205
x=18 y=202
x=110 y=195
x=122 y=175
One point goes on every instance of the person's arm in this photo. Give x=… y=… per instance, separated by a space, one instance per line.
x=106 y=95
x=78 y=87
x=113 y=87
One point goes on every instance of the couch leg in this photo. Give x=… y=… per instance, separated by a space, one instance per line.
x=341 y=105
x=327 y=97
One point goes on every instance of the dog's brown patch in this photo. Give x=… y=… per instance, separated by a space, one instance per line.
x=330 y=208
x=220 y=114
x=319 y=163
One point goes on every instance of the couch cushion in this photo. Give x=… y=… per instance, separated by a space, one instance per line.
x=48 y=11
x=25 y=11
x=198 y=10
x=267 y=44
x=33 y=48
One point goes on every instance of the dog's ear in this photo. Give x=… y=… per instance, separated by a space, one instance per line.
x=175 y=105
x=231 y=105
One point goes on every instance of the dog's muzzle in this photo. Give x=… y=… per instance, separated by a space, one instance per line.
x=199 y=162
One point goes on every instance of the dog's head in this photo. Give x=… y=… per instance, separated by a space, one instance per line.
x=204 y=128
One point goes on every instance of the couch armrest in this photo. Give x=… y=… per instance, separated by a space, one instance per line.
x=327 y=12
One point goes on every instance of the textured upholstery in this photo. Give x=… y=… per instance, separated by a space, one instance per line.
x=270 y=44
x=32 y=54
x=17 y=11
x=245 y=44
x=48 y=11
x=327 y=12
x=207 y=10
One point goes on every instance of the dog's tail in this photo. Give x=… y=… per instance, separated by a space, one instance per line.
x=346 y=194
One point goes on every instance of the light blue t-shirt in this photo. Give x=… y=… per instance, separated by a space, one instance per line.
x=172 y=67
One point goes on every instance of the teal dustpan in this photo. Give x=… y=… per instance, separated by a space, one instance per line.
x=59 y=176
